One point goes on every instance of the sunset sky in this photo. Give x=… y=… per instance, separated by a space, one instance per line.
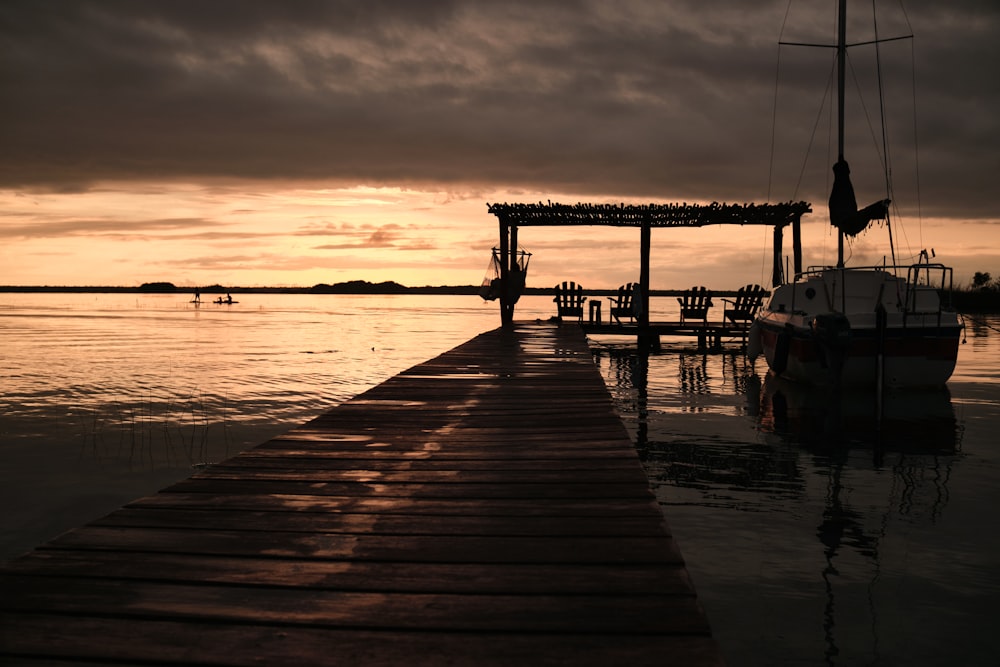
x=252 y=143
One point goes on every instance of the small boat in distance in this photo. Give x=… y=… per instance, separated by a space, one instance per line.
x=875 y=325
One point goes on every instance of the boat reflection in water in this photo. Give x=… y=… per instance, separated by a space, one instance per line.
x=913 y=433
x=821 y=500
x=907 y=420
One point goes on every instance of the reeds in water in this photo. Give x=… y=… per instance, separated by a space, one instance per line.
x=165 y=431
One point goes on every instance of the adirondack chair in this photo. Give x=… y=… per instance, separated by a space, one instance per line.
x=621 y=304
x=695 y=304
x=569 y=300
x=743 y=309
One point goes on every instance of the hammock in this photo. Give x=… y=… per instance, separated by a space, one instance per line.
x=493 y=288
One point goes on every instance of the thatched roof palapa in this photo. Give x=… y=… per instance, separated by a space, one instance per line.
x=655 y=215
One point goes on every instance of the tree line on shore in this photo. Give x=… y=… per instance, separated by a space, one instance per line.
x=981 y=296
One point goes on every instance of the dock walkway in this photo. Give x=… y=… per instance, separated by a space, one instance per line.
x=710 y=335
x=483 y=508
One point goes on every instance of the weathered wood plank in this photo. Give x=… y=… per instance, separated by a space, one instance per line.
x=137 y=641
x=541 y=492
x=573 y=507
x=386 y=524
x=529 y=448
x=438 y=612
x=325 y=460
x=409 y=548
x=358 y=575
x=485 y=508
x=507 y=478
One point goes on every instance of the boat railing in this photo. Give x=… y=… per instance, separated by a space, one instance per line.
x=921 y=273
x=923 y=279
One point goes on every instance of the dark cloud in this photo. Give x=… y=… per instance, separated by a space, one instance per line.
x=633 y=99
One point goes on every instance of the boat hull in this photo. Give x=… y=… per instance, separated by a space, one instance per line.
x=914 y=355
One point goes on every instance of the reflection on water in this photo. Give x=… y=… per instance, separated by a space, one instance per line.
x=815 y=530
x=109 y=397
x=910 y=420
x=800 y=513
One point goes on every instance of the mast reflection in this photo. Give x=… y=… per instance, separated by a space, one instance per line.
x=720 y=440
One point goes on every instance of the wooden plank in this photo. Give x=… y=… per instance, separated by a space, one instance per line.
x=410 y=548
x=573 y=507
x=438 y=612
x=541 y=492
x=522 y=449
x=385 y=524
x=358 y=575
x=319 y=460
x=134 y=641
x=485 y=507
x=311 y=474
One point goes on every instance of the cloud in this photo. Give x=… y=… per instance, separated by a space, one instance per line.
x=367 y=238
x=90 y=227
x=635 y=99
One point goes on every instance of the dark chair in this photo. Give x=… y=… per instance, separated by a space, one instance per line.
x=695 y=304
x=569 y=300
x=744 y=308
x=621 y=304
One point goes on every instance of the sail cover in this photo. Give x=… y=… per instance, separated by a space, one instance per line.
x=844 y=213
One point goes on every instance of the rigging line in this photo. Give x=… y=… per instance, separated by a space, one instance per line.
x=981 y=322
x=916 y=146
x=868 y=117
x=906 y=16
x=916 y=143
x=774 y=125
x=832 y=148
x=774 y=104
x=887 y=165
x=882 y=157
x=819 y=117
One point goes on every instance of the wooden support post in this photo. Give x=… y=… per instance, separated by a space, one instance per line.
x=512 y=292
x=646 y=338
x=506 y=308
x=776 y=271
x=797 y=244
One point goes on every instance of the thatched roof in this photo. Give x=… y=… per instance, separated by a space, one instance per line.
x=656 y=215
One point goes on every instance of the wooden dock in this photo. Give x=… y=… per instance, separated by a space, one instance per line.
x=710 y=335
x=483 y=508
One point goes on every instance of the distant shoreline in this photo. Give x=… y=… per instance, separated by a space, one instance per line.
x=964 y=300
x=352 y=287
x=327 y=289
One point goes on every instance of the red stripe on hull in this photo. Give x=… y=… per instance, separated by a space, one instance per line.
x=910 y=358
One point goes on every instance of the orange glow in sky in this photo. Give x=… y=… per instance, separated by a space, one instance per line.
x=192 y=235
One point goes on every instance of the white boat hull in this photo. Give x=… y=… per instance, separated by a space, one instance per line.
x=910 y=357
x=805 y=338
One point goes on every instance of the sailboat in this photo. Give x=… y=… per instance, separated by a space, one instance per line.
x=883 y=326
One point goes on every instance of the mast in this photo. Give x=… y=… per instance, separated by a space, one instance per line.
x=841 y=63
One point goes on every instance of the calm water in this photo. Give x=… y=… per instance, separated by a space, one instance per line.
x=815 y=533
